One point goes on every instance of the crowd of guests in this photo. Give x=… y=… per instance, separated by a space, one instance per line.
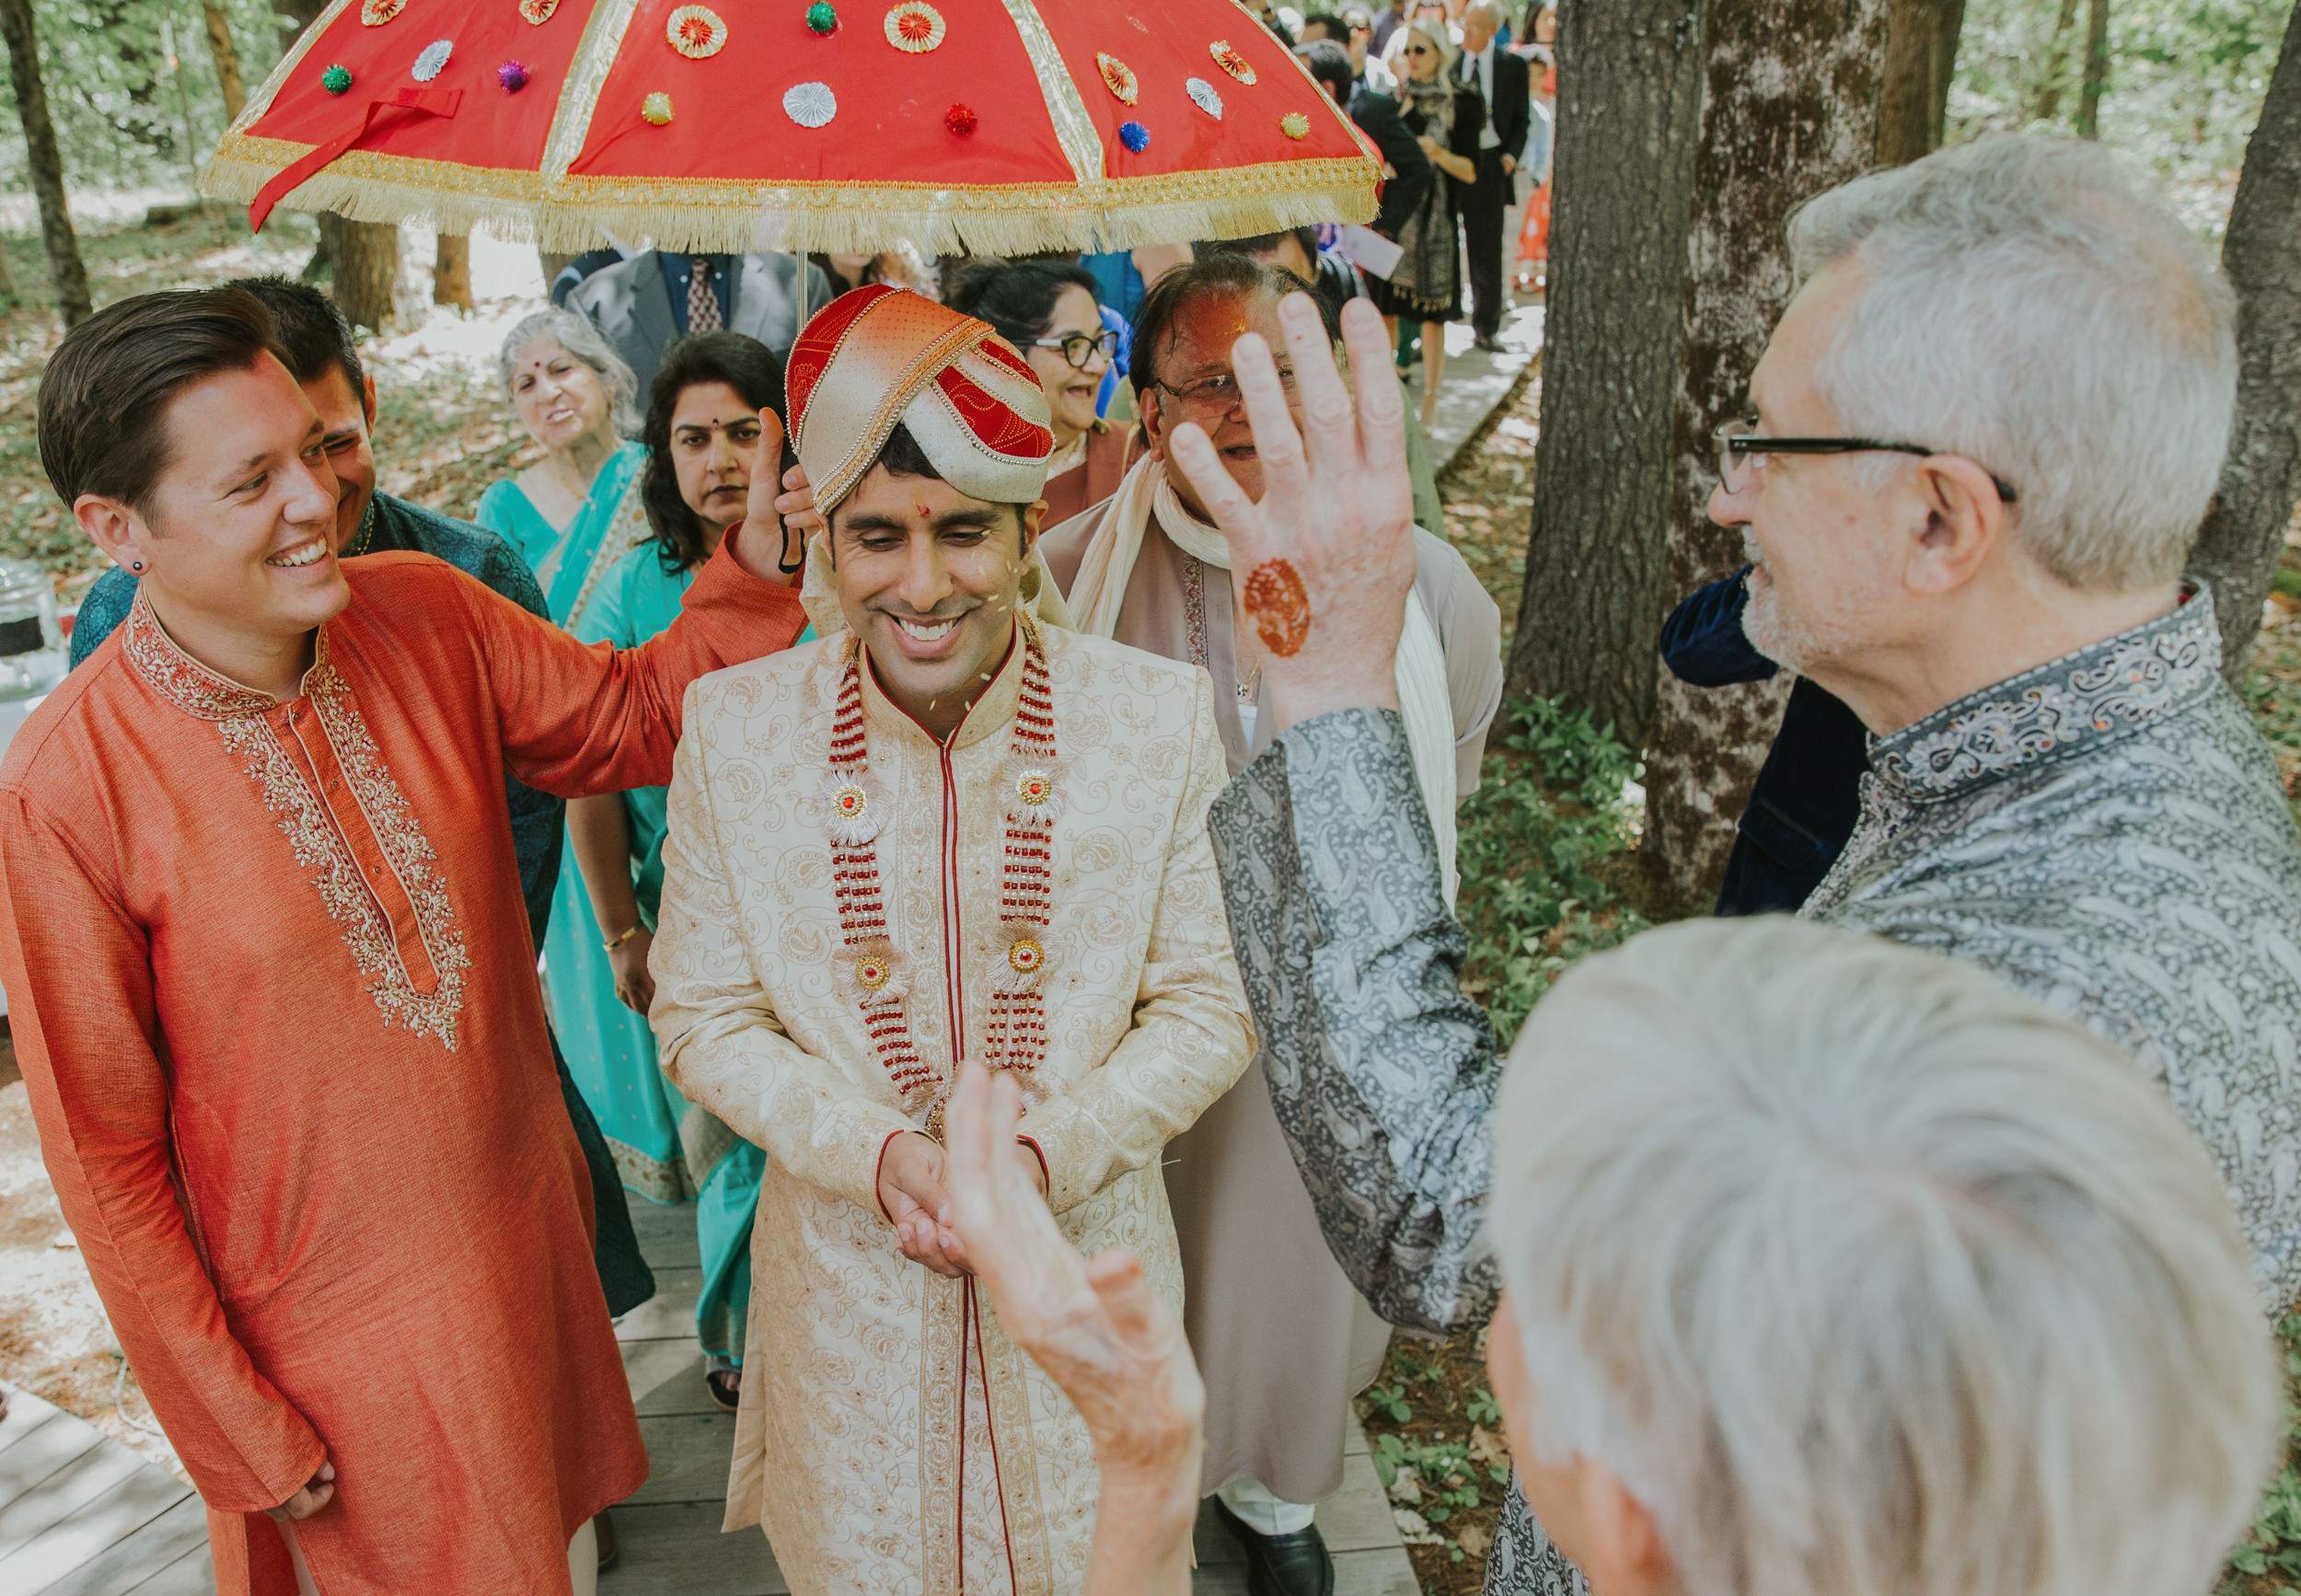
x=1922 y=1250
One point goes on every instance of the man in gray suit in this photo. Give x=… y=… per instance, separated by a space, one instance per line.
x=647 y=303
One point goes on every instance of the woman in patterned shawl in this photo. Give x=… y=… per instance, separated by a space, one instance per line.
x=1444 y=114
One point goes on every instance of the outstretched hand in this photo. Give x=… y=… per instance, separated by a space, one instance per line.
x=1100 y=1332
x=778 y=546
x=1321 y=567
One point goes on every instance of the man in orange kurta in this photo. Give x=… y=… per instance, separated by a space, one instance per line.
x=262 y=937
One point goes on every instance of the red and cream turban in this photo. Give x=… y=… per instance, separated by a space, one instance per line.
x=883 y=355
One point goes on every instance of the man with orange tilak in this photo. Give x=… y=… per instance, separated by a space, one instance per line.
x=950 y=828
x=264 y=946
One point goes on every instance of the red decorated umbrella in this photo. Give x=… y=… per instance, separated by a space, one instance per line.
x=989 y=126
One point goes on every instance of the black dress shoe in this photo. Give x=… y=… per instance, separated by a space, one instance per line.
x=1295 y=1564
x=1491 y=346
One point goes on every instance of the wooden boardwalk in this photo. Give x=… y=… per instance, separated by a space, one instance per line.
x=81 y=1515
x=669 y=1531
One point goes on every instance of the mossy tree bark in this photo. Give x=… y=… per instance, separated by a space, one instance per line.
x=1793 y=108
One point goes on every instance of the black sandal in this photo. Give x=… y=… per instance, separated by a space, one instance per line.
x=725 y=1389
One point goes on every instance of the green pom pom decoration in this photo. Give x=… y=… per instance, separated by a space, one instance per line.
x=336 y=79
x=821 y=17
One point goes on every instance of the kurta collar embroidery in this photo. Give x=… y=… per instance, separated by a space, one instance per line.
x=376 y=872
x=184 y=682
x=2077 y=704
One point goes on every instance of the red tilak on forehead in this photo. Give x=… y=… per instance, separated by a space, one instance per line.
x=921 y=510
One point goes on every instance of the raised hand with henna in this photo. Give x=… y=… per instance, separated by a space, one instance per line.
x=1324 y=565
x=1102 y=1335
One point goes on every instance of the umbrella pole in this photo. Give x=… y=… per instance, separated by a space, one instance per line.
x=798 y=258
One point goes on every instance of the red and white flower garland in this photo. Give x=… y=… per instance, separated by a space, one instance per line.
x=870 y=970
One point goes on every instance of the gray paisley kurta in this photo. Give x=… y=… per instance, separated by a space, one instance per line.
x=2105 y=832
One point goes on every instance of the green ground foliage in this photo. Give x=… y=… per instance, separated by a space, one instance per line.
x=1544 y=843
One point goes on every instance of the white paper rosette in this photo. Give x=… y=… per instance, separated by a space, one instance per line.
x=433 y=61
x=855 y=805
x=1203 y=94
x=810 y=104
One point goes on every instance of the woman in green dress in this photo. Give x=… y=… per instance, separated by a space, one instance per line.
x=703 y=430
x=572 y=514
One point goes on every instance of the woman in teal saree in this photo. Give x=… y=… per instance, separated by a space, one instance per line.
x=573 y=516
x=715 y=396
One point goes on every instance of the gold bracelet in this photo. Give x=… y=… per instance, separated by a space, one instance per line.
x=615 y=942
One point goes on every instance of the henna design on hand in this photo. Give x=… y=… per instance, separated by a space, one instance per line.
x=1280 y=606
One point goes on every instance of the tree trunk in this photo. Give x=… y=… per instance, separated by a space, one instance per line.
x=2096 y=69
x=2244 y=532
x=1629 y=118
x=553 y=263
x=1920 y=42
x=1793 y=108
x=226 y=60
x=2056 y=64
x=1949 y=23
x=65 y=274
x=451 y=272
x=367 y=256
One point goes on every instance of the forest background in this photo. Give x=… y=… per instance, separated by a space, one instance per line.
x=1611 y=792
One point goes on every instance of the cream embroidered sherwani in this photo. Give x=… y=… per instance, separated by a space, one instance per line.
x=886 y=1420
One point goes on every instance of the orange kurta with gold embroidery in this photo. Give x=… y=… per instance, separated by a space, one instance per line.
x=274 y=998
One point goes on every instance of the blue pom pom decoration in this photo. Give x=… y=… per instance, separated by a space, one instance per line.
x=1135 y=136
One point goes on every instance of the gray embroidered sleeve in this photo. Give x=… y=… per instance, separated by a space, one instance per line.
x=1381 y=1071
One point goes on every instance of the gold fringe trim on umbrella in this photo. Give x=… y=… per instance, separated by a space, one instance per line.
x=715 y=215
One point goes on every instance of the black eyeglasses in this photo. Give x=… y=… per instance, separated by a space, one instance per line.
x=1219 y=394
x=1081 y=347
x=1419 y=49
x=1739 y=441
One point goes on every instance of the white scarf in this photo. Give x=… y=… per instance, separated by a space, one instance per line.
x=1099 y=592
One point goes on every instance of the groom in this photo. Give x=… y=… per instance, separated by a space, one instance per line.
x=950 y=828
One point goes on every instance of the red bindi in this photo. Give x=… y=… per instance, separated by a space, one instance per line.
x=1280 y=607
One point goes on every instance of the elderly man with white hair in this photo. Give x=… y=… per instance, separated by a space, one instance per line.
x=1986 y=429
x=1833 y=1269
